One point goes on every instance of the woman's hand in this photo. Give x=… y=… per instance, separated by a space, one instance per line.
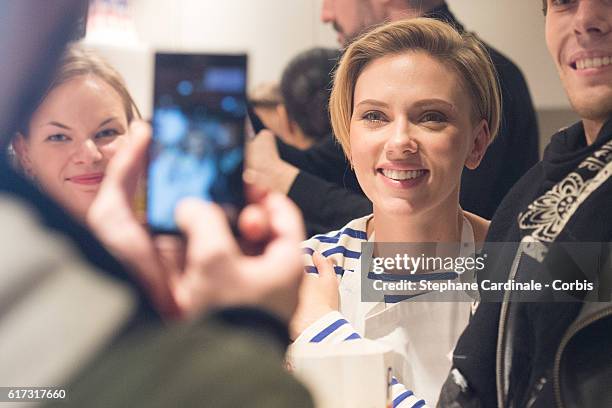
x=318 y=296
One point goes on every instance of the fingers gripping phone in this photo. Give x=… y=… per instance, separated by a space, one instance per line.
x=198 y=135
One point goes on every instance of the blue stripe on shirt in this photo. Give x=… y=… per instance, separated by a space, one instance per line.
x=347 y=253
x=327 y=240
x=313 y=269
x=353 y=336
x=419 y=404
x=355 y=233
x=328 y=330
x=398 y=400
x=400 y=298
x=333 y=239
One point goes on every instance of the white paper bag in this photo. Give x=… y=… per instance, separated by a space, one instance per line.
x=352 y=374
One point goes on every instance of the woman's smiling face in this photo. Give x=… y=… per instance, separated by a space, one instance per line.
x=412 y=131
x=71 y=137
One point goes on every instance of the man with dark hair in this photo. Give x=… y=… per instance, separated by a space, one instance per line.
x=553 y=227
x=325 y=171
x=305 y=87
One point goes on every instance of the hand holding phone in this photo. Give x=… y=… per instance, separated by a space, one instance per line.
x=198 y=138
x=268 y=279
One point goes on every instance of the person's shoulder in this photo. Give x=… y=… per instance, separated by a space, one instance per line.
x=325 y=143
x=516 y=200
x=501 y=61
x=565 y=139
x=510 y=75
x=480 y=226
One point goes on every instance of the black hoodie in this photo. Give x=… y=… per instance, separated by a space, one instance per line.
x=563 y=199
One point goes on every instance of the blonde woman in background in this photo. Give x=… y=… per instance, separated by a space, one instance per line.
x=77 y=127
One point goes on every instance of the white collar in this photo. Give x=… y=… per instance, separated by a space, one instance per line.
x=467 y=235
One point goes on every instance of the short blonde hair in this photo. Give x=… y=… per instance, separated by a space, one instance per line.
x=463 y=53
x=77 y=61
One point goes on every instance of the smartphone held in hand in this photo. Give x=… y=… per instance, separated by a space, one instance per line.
x=198 y=134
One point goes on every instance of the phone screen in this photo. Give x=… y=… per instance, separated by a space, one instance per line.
x=198 y=134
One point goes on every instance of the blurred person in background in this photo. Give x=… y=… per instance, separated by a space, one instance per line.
x=307 y=147
x=72 y=315
x=267 y=103
x=305 y=87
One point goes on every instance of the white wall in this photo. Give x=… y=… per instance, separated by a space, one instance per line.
x=272 y=31
x=269 y=30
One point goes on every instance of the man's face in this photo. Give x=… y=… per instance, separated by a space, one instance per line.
x=351 y=17
x=578 y=35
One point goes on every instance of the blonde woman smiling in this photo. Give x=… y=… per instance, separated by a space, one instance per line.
x=413 y=103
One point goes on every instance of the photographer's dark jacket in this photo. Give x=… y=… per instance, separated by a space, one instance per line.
x=546 y=353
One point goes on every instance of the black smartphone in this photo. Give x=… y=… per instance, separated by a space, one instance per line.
x=199 y=118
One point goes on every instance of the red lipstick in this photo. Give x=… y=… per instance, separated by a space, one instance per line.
x=87 y=179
